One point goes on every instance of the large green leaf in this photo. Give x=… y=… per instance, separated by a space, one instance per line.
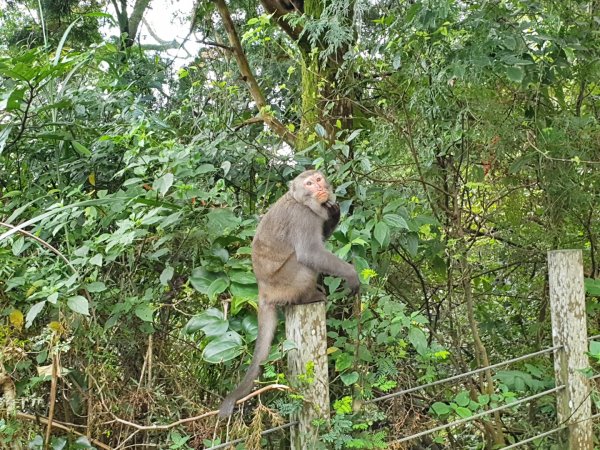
x=441 y=409
x=418 y=339
x=222 y=220
x=382 y=233
x=33 y=313
x=79 y=304
x=242 y=277
x=145 y=312
x=201 y=279
x=211 y=322
x=223 y=348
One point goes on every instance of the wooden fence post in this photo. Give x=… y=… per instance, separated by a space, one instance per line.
x=307 y=367
x=569 y=330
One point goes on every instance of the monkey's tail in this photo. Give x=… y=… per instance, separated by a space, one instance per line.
x=267 y=324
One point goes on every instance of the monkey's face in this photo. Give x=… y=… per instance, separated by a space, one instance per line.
x=317 y=187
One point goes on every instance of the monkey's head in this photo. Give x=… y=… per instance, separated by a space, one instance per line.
x=312 y=189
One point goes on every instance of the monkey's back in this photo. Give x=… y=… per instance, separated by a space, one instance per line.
x=273 y=252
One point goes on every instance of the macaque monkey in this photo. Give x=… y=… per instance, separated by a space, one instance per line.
x=288 y=255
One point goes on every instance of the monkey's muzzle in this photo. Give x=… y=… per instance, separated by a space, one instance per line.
x=322 y=196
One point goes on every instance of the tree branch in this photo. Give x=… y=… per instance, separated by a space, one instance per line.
x=136 y=18
x=61 y=426
x=138 y=427
x=274 y=124
x=274 y=8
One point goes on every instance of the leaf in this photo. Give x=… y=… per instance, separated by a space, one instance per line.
x=594 y=348
x=226 y=166
x=592 y=287
x=217 y=287
x=96 y=260
x=441 y=409
x=33 y=313
x=381 y=233
x=96 y=286
x=515 y=73
x=242 y=277
x=204 y=319
x=395 y=221
x=205 y=168
x=462 y=399
x=163 y=184
x=81 y=149
x=342 y=252
x=353 y=135
x=145 y=312
x=221 y=220
x=16 y=318
x=463 y=412
x=412 y=244
x=243 y=291
x=52 y=298
x=78 y=304
x=250 y=326
x=224 y=348
x=201 y=279
x=483 y=399
x=320 y=130
x=58 y=443
x=418 y=339
x=349 y=378
x=17 y=246
x=166 y=275
x=82 y=443
x=61 y=43
x=343 y=362
x=4 y=137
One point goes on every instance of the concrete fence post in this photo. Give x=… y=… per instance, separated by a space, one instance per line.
x=569 y=330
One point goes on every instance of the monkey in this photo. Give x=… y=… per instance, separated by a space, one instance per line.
x=288 y=254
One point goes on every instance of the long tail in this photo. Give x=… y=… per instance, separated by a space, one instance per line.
x=267 y=323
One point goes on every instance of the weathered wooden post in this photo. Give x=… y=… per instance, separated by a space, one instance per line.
x=569 y=330
x=307 y=367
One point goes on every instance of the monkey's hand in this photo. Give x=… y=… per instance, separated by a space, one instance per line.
x=333 y=218
x=353 y=283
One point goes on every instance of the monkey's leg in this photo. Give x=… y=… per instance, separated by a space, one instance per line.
x=314 y=296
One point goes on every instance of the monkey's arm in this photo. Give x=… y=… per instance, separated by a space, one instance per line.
x=311 y=253
x=333 y=213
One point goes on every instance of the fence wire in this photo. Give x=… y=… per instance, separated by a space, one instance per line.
x=264 y=433
x=479 y=415
x=462 y=375
x=458 y=422
x=547 y=433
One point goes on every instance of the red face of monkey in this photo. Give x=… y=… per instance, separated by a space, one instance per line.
x=317 y=186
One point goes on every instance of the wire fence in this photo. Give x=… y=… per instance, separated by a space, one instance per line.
x=264 y=433
x=466 y=419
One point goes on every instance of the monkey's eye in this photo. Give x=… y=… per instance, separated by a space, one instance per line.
x=309 y=183
x=319 y=180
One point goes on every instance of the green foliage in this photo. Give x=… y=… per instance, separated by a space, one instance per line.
x=462 y=143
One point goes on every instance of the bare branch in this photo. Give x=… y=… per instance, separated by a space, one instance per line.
x=41 y=241
x=279 y=387
x=61 y=426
